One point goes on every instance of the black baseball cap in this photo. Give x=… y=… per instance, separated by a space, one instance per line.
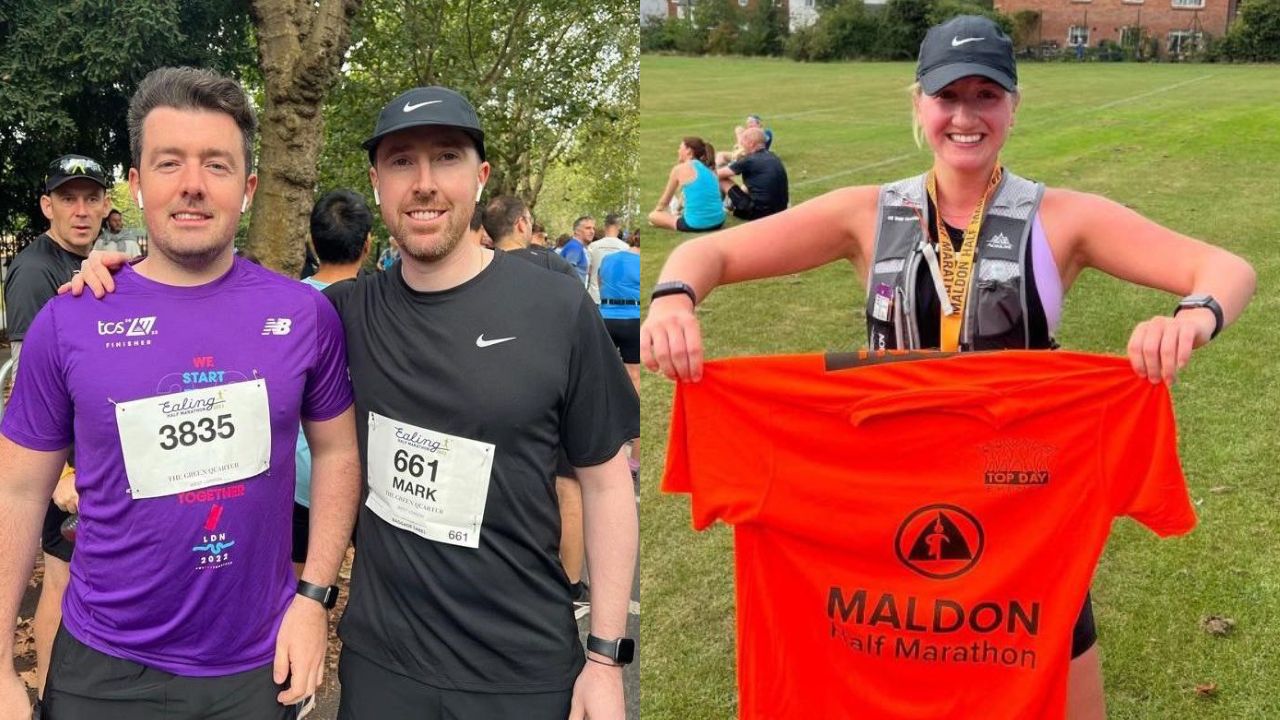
x=962 y=46
x=423 y=106
x=71 y=167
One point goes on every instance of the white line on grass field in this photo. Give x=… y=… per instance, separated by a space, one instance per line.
x=1157 y=91
x=860 y=168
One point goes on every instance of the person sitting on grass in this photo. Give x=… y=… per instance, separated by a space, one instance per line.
x=694 y=177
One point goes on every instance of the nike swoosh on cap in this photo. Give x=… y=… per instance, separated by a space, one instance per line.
x=411 y=108
x=957 y=42
x=482 y=343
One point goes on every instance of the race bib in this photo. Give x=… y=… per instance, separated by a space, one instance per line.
x=195 y=439
x=430 y=483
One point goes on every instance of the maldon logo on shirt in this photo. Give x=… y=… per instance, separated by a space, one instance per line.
x=940 y=541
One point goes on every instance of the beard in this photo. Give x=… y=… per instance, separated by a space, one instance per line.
x=191 y=256
x=436 y=248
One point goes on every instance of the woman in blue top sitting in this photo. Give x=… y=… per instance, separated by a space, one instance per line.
x=694 y=174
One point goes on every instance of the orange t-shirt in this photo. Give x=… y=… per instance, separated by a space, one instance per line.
x=915 y=539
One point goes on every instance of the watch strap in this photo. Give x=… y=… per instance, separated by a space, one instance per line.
x=326 y=596
x=673 y=287
x=621 y=651
x=1204 y=301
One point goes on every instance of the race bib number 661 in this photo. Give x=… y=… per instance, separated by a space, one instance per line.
x=195 y=439
x=430 y=483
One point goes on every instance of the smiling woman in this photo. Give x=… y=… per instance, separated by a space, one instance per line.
x=967 y=256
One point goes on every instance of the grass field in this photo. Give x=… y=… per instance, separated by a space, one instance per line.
x=1193 y=147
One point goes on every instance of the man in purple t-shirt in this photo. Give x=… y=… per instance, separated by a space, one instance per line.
x=183 y=391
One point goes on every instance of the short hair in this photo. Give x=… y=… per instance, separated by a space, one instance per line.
x=753 y=136
x=578 y=223
x=538 y=229
x=114 y=212
x=613 y=220
x=501 y=215
x=186 y=88
x=340 y=224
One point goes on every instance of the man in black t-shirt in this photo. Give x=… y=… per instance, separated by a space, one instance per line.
x=470 y=369
x=75 y=203
x=766 y=180
x=508 y=222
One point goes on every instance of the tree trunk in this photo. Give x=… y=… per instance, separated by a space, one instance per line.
x=301 y=45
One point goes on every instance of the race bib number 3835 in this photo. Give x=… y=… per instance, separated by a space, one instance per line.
x=430 y=483
x=195 y=439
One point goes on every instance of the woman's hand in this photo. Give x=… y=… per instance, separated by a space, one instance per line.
x=671 y=339
x=1160 y=347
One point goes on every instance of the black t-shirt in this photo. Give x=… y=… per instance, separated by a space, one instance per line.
x=499 y=617
x=929 y=307
x=34 y=277
x=543 y=257
x=766 y=179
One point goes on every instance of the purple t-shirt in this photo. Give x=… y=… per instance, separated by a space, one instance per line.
x=194 y=583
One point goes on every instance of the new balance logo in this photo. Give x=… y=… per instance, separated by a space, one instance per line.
x=277 y=326
x=1000 y=242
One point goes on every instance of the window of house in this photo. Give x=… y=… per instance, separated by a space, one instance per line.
x=1078 y=35
x=1185 y=41
x=1190 y=4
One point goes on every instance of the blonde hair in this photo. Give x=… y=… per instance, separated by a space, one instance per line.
x=916 y=91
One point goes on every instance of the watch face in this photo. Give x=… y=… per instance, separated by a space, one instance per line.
x=626 y=650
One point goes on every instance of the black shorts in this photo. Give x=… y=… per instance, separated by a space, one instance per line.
x=1085 y=634
x=626 y=337
x=683 y=226
x=370 y=691
x=301 y=531
x=85 y=684
x=51 y=540
x=744 y=207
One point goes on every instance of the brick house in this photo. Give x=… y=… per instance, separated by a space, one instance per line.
x=1178 y=25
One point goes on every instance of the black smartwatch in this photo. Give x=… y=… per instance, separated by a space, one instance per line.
x=621 y=651
x=326 y=596
x=673 y=287
x=1203 y=301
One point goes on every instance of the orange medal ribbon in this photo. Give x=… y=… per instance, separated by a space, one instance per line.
x=957 y=267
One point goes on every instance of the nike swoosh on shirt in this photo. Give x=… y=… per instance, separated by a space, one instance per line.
x=957 y=42
x=482 y=343
x=411 y=108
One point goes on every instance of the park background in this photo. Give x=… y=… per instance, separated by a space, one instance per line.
x=1192 y=146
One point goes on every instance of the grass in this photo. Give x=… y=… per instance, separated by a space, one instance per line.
x=1190 y=146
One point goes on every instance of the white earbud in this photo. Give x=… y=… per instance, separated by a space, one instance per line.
x=139 y=196
x=244 y=206
x=376 y=200
x=479 y=190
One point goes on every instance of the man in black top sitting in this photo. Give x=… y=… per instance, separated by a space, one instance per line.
x=764 y=176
